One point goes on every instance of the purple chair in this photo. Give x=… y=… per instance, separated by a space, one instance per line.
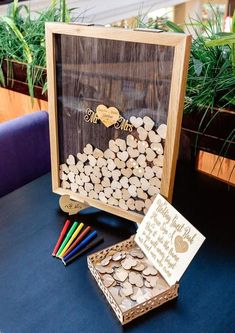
x=24 y=150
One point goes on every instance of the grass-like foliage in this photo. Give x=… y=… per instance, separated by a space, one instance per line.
x=22 y=38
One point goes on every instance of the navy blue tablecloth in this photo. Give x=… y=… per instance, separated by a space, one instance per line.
x=39 y=295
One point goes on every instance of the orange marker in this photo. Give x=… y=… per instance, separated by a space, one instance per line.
x=78 y=240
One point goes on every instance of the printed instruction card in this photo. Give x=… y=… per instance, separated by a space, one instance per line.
x=168 y=240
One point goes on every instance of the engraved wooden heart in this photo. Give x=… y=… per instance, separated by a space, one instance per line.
x=181 y=246
x=108 y=116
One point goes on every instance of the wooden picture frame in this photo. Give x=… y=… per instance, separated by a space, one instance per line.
x=180 y=44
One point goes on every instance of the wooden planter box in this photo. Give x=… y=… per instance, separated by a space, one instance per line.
x=15 y=99
x=204 y=147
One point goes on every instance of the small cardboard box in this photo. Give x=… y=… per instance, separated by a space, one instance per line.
x=167 y=243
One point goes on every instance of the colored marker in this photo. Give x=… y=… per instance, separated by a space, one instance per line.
x=83 y=243
x=62 y=234
x=90 y=246
x=74 y=235
x=77 y=241
x=69 y=234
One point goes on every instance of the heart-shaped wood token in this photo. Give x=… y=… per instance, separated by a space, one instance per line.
x=65 y=184
x=133 y=152
x=119 y=163
x=104 y=269
x=142 y=145
x=141 y=194
x=148 y=172
x=63 y=176
x=150 y=154
x=154 y=137
x=148 y=123
x=106 y=182
x=108 y=280
x=148 y=203
x=108 y=116
x=137 y=253
x=118 y=256
x=93 y=195
x=142 y=133
x=158 y=171
x=64 y=168
x=139 y=205
x=157 y=147
x=102 y=197
x=144 y=184
x=131 y=204
x=115 y=185
x=136 y=122
x=113 y=147
x=98 y=153
x=82 y=157
x=71 y=177
x=150 y=270
x=162 y=129
x=112 y=201
x=95 y=179
x=70 y=160
x=88 y=149
x=126 y=172
x=135 y=181
x=136 y=279
x=80 y=166
x=106 y=172
x=116 y=174
x=88 y=169
x=101 y=162
x=111 y=165
x=139 y=172
x=124 y=182
x=74 y=169
x=121 y=144
x=109 y=154
x=122 y=204
x=92 y=160
x=132 y=190
x=108 y=192
x=155 y=181
x=125 y=194
x=117 y=194
x=126 y=289
x=123 y=156
x=70 y=206
x=127 y=263
x=74 y=187
x=98 y=188
x=141 y=160
x=131 y=141
x=88 y=187
x=181 y=245
x=120 y=275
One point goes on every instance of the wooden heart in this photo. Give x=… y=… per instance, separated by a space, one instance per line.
x=181 y=246
x=108 y=116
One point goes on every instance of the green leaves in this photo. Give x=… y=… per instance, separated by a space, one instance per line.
x=174 y=27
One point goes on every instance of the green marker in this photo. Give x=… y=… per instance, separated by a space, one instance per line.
x=71 y=230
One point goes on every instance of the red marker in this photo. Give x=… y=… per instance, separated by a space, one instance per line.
x=77 y=241
x=62 y=234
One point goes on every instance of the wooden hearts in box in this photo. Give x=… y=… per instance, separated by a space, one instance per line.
x=127 y=174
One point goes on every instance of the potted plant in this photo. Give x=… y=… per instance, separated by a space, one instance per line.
x=22 y=48
x=209 y=112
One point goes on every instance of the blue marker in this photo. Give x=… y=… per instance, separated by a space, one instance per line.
x=85 y=241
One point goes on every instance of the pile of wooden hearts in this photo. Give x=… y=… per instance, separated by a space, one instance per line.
x=127 y=174
x=130 y=277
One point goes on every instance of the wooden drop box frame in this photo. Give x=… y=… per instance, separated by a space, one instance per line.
x=140 y=309
x=180 y=43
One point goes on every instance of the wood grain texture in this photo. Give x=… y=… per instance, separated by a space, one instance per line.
x=133 y=77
